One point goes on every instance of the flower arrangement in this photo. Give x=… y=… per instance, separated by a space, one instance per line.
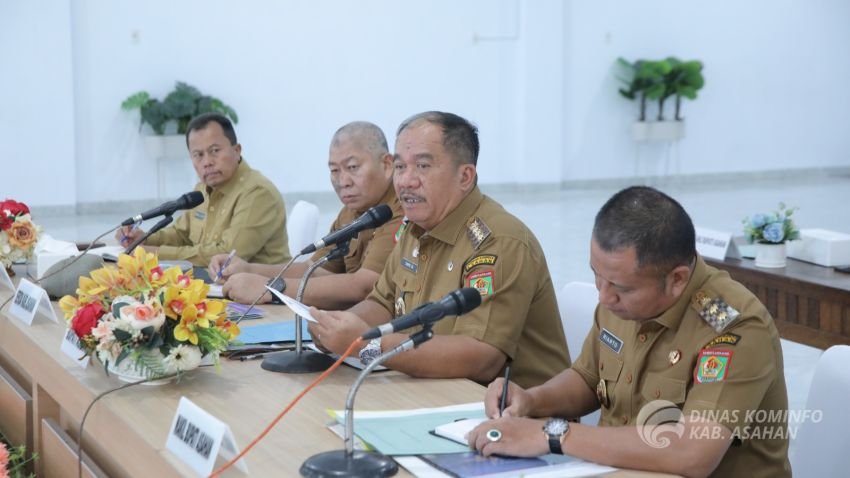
x=159 y=321
x=775 y=228
x=13 y=461
x=18 y=234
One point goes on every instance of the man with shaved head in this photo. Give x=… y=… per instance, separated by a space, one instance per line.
x=361 y=174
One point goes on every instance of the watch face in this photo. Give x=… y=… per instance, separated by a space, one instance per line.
x=556 y=426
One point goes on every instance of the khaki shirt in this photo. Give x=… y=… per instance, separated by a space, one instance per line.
x=370 y=248
x=246 y=213
x=732 y=376
x=480 y=245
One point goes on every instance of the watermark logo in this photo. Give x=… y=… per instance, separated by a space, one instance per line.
x=657 y=420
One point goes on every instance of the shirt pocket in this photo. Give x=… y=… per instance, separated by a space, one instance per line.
x=659 y=387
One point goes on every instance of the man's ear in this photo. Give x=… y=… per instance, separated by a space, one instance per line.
x=677 y=280
x=468 y=176
x=387 y=165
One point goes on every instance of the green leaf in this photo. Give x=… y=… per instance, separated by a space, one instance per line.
x=122 y=335
x=135 y=101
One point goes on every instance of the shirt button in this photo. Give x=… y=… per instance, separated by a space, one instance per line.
x=625 y=420
x=657 y=393
x=602 y=366
x=629 y=377
x=423 y=257
x=642 y=337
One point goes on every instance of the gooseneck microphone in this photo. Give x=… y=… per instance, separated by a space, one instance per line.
x=186 y=201
x=374 y=217
x=456 y=302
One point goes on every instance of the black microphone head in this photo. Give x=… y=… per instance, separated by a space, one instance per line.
x=190 y=200
x=461 y=301
x=380 y=214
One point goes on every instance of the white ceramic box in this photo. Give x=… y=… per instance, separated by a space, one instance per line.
x=822 y=247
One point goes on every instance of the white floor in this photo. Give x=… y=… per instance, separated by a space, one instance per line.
x=562 y=220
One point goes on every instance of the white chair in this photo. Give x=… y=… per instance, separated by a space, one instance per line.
x=301 y=227
x=577 y=304
x=820 y=449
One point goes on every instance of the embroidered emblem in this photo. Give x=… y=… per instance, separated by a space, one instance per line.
x=483 y=281
x=725 y=339
x=399 y=306
x=712 y=365
x=717 y=313
x=612 y=341
x=674 y=356
x=409 y=265
x=477 y=232
x=602 y=393
x=484 y=259
x=200 y=215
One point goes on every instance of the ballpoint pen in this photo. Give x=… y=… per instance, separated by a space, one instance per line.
x=504 y=400
x=224 y=266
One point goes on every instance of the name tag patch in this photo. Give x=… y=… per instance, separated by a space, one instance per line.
x=200 y=215
x=409 y=265
x=612 y=341
x=725 y=339
x=482 y=260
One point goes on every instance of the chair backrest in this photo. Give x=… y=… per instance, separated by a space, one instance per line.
x=577 y=303
x=301 y=226
x=820 y=449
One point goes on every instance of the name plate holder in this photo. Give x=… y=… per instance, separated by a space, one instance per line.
x=198 y=439
x=5 y=280
x=30 y=300
x=716 y=245
x=72 y=348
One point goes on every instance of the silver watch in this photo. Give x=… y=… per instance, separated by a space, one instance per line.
x=556 y=429
x=371 y=351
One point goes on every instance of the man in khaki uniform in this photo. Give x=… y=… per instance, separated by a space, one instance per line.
x=457 y=237
x=675 y=343
x=242 y=210
x=361 y=173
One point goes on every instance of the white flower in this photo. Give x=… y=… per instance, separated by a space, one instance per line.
x=182 y=358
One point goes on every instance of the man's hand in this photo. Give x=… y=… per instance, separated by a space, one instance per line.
x=519 y=437
x=244 y=288
x=126 y=235
x=336 y=329
x=236 y=266
x=518 y=403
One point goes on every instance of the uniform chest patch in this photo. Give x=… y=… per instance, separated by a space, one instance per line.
x=482 y=260
x=483 y=281
x=725 y=339
x=712 y=365
x=612 y=341
x=200 y=215
x=409 y=265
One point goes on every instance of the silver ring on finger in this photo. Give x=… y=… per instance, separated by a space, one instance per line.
x=494 y=435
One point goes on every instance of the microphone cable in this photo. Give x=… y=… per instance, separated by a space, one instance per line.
x=286 y=410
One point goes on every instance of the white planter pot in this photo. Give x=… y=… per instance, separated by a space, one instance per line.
x=658 y=131
x=770 y=255
x=127 y=371
x=166 y=146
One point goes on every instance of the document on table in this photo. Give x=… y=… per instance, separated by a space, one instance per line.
x=457 y=430
x=271 y=333
x=293 y=304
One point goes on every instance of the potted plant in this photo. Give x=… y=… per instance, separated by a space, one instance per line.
x=770 y=232
x=659 y=80
x=168 y=120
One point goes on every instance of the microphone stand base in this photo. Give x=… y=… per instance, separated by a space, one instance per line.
x=339 y=463
x=307 y=361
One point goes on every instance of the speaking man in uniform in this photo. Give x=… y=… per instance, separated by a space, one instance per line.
x=361 y=174
x=456 y=237
x=685 y=362
x=242 y=210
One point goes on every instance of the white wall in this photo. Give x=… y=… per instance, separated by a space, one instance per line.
x=536 y=76
x=36 y=103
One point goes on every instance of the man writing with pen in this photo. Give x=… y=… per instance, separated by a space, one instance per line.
x=242 y=209
x=361 y=174
x=456 y=237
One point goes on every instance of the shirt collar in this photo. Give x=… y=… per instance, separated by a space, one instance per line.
x=454 y=224
x=242 y=170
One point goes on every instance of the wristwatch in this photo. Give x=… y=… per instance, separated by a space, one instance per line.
x=556 y=430
x=370 y=352
x=279 y=285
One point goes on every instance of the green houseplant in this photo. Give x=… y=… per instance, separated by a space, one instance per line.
x=179 y=107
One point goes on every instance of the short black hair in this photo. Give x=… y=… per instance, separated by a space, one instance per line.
x=202 y=120
x=460 y=137
x=651 y=221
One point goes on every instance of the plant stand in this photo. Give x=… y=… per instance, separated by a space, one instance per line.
x=173 y=165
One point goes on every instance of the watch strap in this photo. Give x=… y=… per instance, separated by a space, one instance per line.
x=279 y=285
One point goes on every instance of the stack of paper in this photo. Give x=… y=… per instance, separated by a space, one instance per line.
x=236 y=311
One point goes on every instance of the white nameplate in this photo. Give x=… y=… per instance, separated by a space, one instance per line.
x=712 y=244
x=72 y=347
x=5 y=279
x=198 y=438
x=30 y=299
